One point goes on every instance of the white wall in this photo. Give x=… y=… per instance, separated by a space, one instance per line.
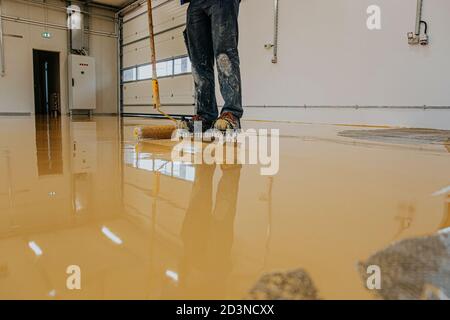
x=104 y=49
x=327 y=59
x=16 y=87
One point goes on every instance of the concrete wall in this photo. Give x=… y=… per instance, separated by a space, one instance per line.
x=330 y=62
x=16 y=87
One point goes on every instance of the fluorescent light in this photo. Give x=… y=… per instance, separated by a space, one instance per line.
x=172 y=275
x=36 y=249
x=78 y=205
x=111 y=235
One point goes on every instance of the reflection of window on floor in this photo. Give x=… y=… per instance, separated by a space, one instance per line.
x=183 y=171
x=146 y=164
x=164 y=167
x=177 y=170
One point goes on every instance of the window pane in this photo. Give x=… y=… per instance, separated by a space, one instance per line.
x=183 y=65
x=129 y=75
x=164 y=69
x=145 y=72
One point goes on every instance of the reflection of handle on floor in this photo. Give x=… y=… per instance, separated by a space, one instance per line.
x=155 y=194
x=269 y=222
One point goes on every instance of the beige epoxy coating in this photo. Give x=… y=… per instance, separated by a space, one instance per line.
x=86 y=193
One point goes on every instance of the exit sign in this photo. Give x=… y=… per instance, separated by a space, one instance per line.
x=46 y=35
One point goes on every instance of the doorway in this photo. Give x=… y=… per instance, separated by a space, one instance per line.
x=46 y=82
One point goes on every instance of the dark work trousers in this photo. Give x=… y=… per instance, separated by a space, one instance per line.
x=212 y=36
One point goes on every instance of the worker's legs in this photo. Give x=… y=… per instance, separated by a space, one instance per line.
x=200 y=48
x=225 y=35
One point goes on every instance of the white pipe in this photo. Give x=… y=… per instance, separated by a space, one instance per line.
x=119 y=69
x=60 y=8
x=418 y=16
x=139 y=3
x=54 y=25
x=275 y=31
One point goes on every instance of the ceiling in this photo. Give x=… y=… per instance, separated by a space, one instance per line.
x=114 y=3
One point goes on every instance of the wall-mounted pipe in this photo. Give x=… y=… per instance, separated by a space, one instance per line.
x=417 y=37
x=54 y=25
x=419 y=16
x=2 y=45
x=275 y=31
x=62 y=8
x=119 y=62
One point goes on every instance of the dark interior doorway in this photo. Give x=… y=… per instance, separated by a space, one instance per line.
x=46 y=82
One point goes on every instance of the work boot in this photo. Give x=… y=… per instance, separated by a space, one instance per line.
x=191 y=124
x=227 y=121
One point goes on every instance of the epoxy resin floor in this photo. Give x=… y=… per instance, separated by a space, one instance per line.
x=83 y=192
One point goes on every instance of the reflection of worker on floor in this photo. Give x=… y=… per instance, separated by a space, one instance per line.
x=208 y=232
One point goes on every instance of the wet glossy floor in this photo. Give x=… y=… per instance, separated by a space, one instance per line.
x=83 y=192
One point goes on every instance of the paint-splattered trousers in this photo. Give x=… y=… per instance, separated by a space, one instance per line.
x=212 y=36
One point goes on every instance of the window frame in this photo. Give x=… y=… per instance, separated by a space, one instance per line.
x=171 y=75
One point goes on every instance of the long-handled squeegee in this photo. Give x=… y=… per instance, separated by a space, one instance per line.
x=155 y=132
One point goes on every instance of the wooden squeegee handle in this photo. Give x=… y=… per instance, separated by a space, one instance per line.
x=155 y=83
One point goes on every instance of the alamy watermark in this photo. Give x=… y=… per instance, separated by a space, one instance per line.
x=374 y=280
x=73 y=281
x=374 y=19
x=251 y=146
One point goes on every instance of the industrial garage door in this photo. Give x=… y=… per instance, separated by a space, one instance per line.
x=174 y=68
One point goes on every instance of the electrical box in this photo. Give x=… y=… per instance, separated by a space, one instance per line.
x=82 y=87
